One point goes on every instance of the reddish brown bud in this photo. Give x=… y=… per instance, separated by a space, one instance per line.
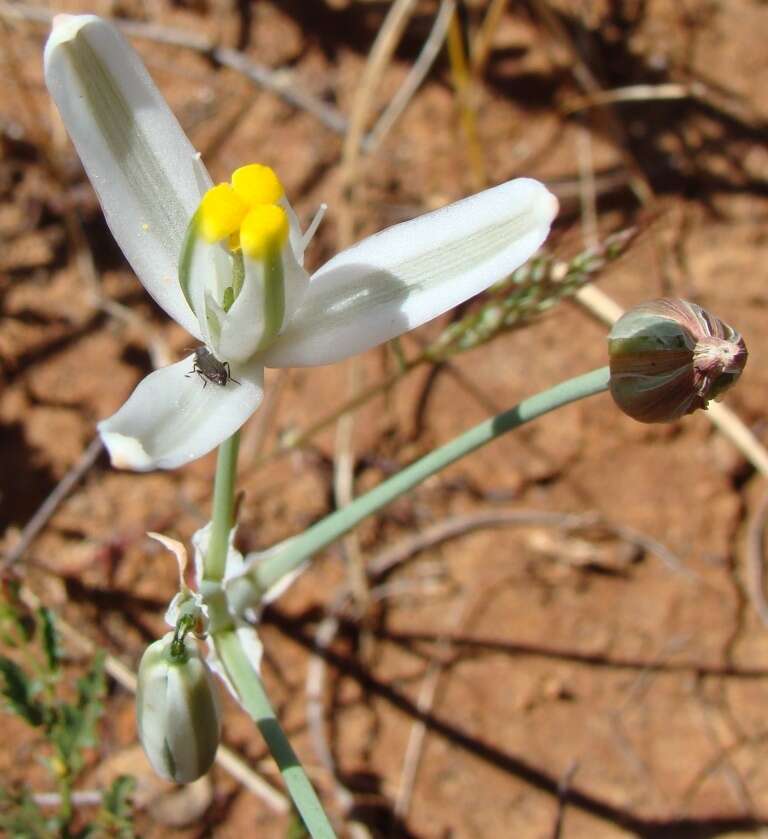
x=669 y=357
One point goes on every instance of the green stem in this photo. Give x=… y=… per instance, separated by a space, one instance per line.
x=241 y=672
x=223 y=509
x=256 y=702
x=267 y=572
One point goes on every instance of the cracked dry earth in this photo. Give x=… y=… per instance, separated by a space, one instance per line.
x=599 y=681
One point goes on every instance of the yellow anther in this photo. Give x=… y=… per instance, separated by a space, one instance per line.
x=264 y=228
x=257 y=184
x=221 y=213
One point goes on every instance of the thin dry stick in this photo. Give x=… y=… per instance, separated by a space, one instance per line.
x=725 y=754
x=275 y=81
x=587 y=192
x=723 y=418
x=297 y=438
x=314 y=690
x=728 y=768
x=454 y=526
x=587 y=81
x=294 y=439
x=633 y=93
x=344 y=492
x=754 y=551
x=562 y=798
x=381 y=53
x=417 y=736
x=52 y=502
x=462 y=83
x=415 y=78
x=483 y=41
x=126 y=678
x=728 y=103
x=379 y=57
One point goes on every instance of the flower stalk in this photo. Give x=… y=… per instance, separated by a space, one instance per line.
x=250 y=688
x=258 y=577
x=223 y=517
x=239 y=668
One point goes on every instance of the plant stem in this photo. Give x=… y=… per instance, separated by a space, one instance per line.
x=223 y=509
x=256 y=702
x=267 y=572
x=238 y=666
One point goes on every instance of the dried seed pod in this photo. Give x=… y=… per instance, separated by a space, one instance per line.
x=669 y=357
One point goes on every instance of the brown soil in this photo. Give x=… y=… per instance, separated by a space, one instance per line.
x=565 y=683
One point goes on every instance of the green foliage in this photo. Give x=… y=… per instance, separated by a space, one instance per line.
x=69 y=726
x=115 y=815
x=50 y=639
x=73 y=725
x=19 y=691
x=21 y=816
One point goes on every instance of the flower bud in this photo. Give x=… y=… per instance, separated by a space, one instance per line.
x=669 y=357
x=177 y=710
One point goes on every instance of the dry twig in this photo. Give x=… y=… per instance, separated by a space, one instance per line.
x=314 y=690
x=415 y=78
x=754 y=551
x=449 y=528
x=51 y=504
x=275 y=81
x=378 y=58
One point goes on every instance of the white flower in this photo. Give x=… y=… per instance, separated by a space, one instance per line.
x=226 y=262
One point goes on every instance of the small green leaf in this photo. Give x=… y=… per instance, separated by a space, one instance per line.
x=21 y=816
x=117 y=808
x=75 y=726
x=18 y=691
x=16 y=626
x=50 y=639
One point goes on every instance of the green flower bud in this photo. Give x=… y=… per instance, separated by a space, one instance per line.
x=177 y=710
x=670 y=357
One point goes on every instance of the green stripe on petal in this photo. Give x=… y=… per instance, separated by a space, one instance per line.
x=115 y=120
x=144 y=170
x=408 y=274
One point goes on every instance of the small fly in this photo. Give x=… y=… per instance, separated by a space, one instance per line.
x=210 y=369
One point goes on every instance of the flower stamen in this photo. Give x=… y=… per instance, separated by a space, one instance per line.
x=264 y=231
x=245 y=212
x=257 y=184
x=221 y=213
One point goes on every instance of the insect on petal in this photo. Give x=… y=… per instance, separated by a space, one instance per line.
x=175 y=416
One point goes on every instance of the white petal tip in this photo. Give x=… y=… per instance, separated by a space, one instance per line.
x=65 y=27
x=550 y=207
x=531 y=196
x=126 y=452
